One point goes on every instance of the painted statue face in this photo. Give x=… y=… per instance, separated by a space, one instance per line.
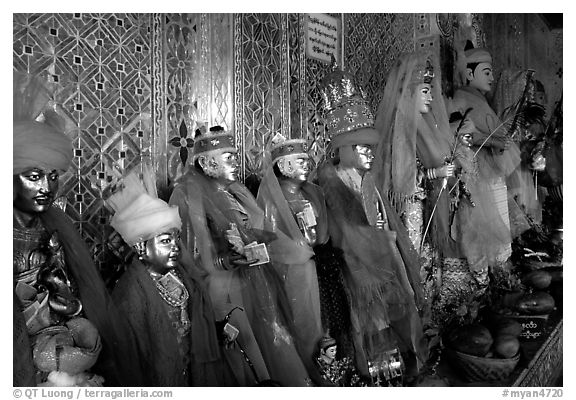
x=481 y=78
x=424 y=98
x=364 y=157
x=330 y=352
x=35 y=189
x=295 y=167
x=163 y=251
x=222 y=166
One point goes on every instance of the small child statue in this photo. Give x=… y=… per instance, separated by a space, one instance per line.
x=335 y=372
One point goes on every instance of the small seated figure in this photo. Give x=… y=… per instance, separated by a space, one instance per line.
x=164 y=302
x=336 y=372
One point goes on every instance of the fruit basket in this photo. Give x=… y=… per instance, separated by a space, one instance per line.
x=475 y=369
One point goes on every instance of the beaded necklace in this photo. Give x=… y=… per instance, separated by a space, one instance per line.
x=173 y=291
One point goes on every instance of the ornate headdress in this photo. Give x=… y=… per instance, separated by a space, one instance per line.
x=38 y=135
x=423 y=73
x=349 y=119
x=282 y=147
x=139 y=213
x=215 y=139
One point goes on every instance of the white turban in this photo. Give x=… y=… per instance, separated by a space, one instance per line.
x=145 y=218
x=140 y=215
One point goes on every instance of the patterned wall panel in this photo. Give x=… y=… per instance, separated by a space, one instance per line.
x=372 y=42
x=99 y=67
x=262 y=86
x=297 y=71
x=198 y=81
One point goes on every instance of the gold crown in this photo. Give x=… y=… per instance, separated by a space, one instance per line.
x=345 y=106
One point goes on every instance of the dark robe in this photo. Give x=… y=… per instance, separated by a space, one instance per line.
x=381 y=274
x=119 y=353
x=147 y=313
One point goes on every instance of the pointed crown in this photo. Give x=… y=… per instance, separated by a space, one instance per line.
x=345 y=106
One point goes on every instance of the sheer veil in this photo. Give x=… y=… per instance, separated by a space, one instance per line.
x=398 y=122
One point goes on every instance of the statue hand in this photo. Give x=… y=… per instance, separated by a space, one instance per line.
x=233 y=237
x=236 y=260
x=445 y=171
x=466 y=139
x=538 y=162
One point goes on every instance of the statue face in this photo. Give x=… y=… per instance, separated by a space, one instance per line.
x=222 y=166
x=295 y=167
x=364 y=158
x=424 y=98
x=481 y=78
x=163 y=251
x=330 y=352
x=35 y=189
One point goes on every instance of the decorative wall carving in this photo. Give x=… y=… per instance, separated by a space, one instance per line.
x=262 y=86
x=372 y=42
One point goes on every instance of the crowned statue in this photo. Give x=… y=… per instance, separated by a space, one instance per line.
x=381 y=272
x=425 y=166
x=224 y=226
x=296 y=207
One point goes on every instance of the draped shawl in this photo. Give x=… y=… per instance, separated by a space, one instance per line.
x=206 y=213
x=382 y=269
x=297 y=269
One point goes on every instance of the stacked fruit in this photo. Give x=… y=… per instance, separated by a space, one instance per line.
x=498 y=341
